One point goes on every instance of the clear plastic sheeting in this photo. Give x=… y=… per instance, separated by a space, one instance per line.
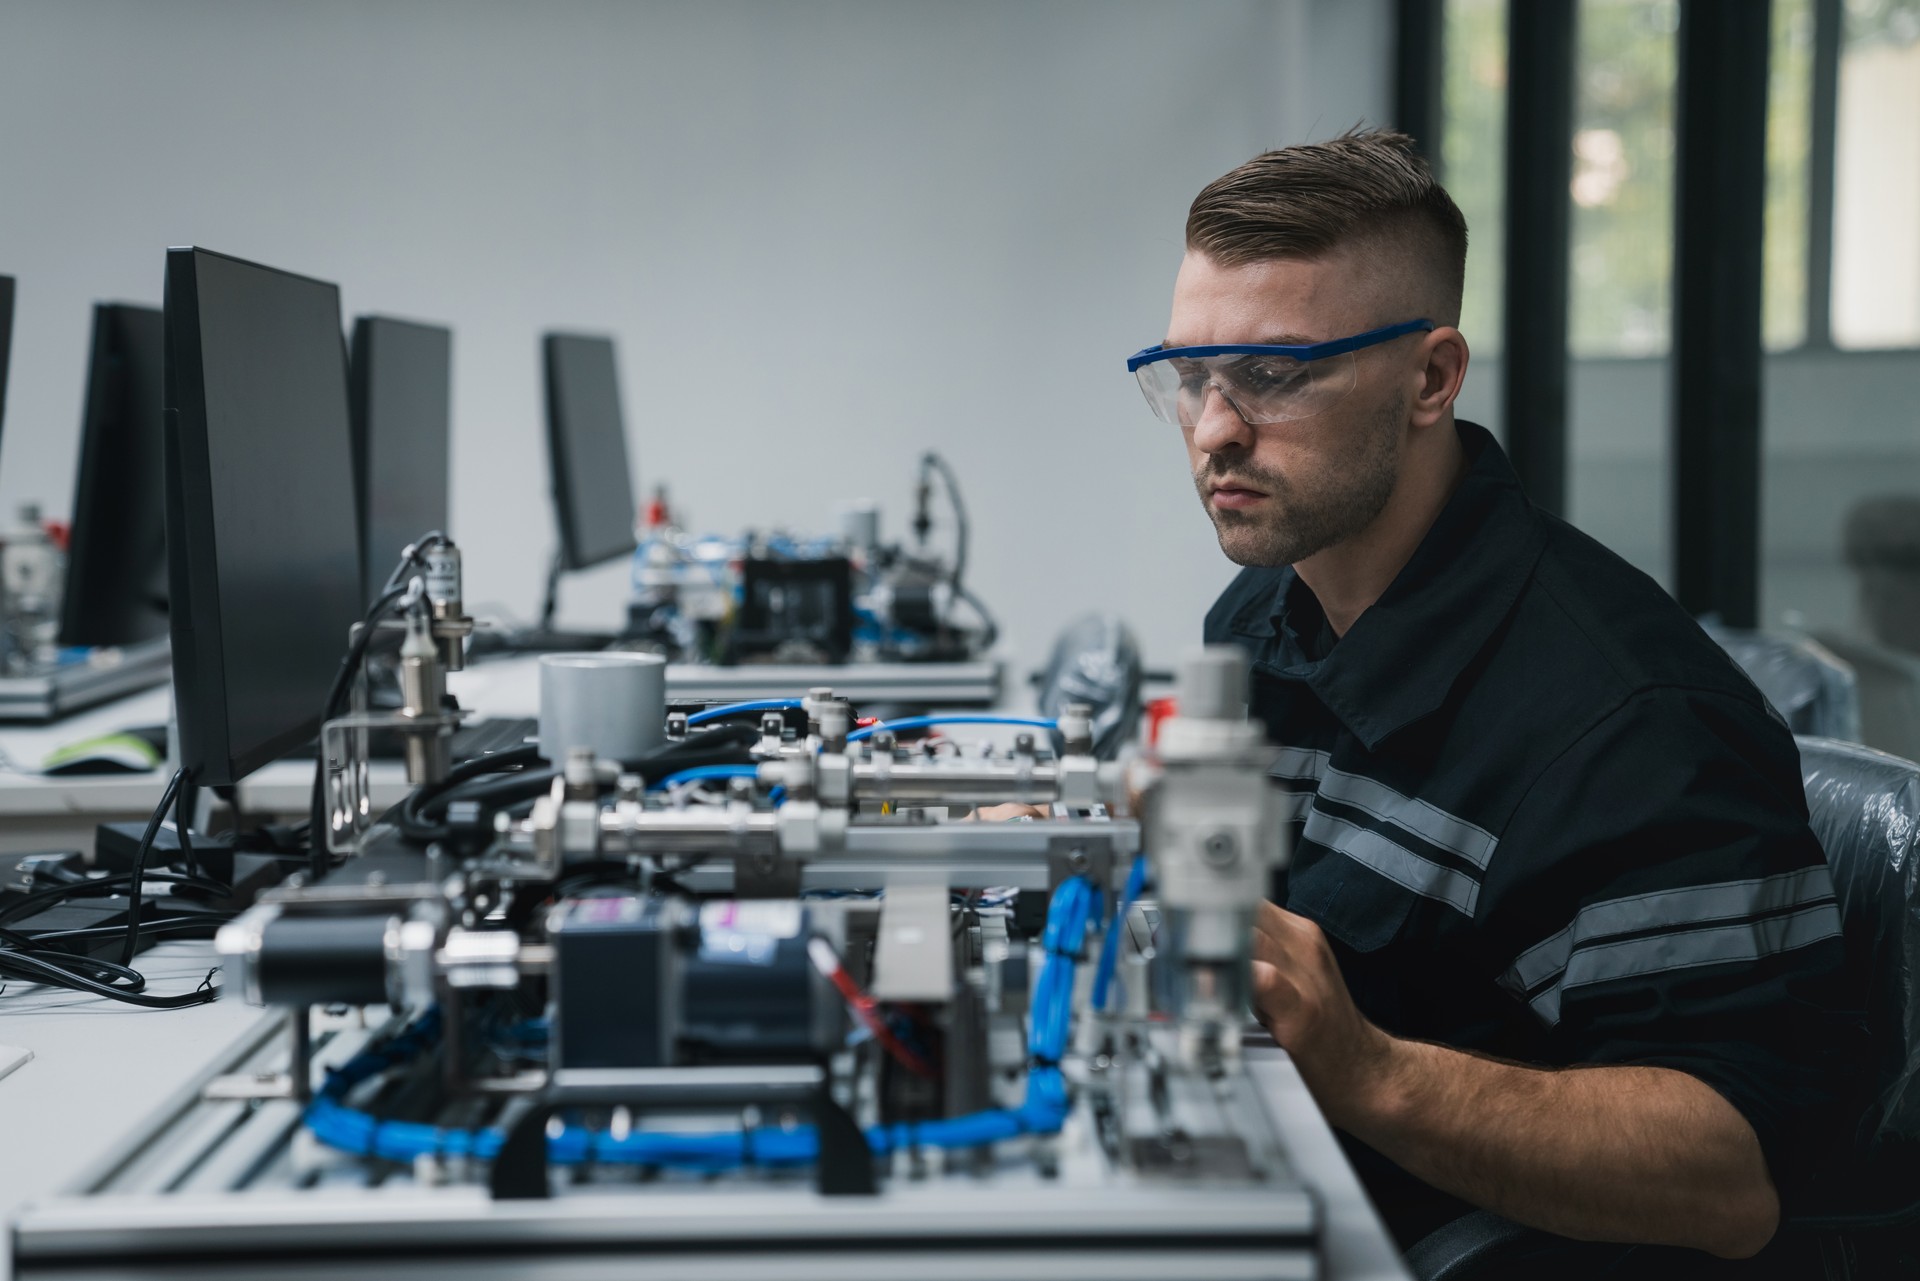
x=1865 y=808
x=1096 y=661
x=1813 y=690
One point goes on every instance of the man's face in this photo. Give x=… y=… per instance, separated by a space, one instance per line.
x=1280 y=492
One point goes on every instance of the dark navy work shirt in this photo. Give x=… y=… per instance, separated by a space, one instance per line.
x=1540 y=815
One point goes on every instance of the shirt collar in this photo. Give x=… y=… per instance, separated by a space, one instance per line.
x=1402 y=657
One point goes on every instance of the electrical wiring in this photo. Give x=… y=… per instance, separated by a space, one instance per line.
x=505 y=779
x=705 y=773
x=1110 y=945
x=737 y=709
x=928 y=722
x=136 y=882
x=864 y=1007
x=63 y=970
x=335 y=1123
x=95 y=887
x=24 y=954
x=336 y=703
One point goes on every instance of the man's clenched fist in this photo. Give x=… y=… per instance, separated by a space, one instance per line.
x=1299 y=996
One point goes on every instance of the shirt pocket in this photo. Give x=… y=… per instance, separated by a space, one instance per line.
x=1352 y=905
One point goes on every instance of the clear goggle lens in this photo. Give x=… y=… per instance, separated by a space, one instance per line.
x=1260 y=388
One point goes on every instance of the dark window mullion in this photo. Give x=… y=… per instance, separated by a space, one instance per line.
x=1825 y=111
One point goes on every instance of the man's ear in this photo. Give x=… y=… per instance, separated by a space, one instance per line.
x=1441 y=371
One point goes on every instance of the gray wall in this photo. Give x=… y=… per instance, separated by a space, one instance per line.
x=827 y=236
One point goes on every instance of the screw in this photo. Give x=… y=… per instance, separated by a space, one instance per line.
x=1078 y=861
x=1220 y=850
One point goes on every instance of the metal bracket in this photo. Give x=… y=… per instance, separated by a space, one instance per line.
x=1081 y=855
x=766 y=875
x=844 y=1166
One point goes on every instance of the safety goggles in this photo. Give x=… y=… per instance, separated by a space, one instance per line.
x=1264 y=383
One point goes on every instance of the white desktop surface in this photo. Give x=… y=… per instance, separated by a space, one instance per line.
x=100 y=1069
x=41 y=811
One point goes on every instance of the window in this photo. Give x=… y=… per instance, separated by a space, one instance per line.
x=1876 y=197
x=1473 y=154
x=1783 y=284
x=1622 y=190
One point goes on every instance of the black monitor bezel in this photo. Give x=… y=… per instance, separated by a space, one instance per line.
x=199 y=658
x=8 y=289
x=361 y=361
x=566 y=511
x=107 y=459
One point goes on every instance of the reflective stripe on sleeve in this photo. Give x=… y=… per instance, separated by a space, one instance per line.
x=1731 y=921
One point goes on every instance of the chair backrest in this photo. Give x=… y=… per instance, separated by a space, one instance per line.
x=1889 y=684
x=1865 y=808
x=1811 y=688
x=1096 y=661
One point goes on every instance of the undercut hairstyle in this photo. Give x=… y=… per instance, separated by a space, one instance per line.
x=1303 y=202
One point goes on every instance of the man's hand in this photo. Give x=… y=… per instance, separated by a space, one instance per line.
x=1001 y=813
x=1630 y=1154
x=1299 y=996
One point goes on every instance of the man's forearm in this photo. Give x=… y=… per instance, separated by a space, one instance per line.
x=1609 y=1153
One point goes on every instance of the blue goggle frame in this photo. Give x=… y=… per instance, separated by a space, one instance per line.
x=1302 y=352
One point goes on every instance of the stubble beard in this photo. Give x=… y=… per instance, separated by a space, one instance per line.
x=1300 y=520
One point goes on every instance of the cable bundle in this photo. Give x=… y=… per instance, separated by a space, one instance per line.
x=1043 y=1111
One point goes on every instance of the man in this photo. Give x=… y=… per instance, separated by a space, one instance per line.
x=1541 y=822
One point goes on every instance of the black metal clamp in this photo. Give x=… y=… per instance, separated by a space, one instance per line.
x=844 y=1166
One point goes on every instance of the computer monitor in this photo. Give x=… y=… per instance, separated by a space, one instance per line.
x=402 y=389
x=6 y=339
x=263 y=555
x=587 y=450
x=116 y=591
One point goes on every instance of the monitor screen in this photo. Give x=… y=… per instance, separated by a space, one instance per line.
x=402 y=389
x=6 y=339
x=262 y=550
x=117 y=559
x=587 y=450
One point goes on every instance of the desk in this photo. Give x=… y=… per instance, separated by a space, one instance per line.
x=100 y=1069
x=41 y=812
x=38 y=812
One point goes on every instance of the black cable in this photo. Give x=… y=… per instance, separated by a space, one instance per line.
x=963 y=538
x=157 y=926
x=43 y=970
x=397 y=586
x=550 y=603
x=99 y=886
x=962 y=529
x=337 y=697
x=136 y=880
x=989 y=626
x=417 y=816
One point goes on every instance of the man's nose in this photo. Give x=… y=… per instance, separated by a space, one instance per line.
x=1220 y=426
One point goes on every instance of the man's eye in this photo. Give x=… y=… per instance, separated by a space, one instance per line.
x=1192 y=374
x=1270 y=375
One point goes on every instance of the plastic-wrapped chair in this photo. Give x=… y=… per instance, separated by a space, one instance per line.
x=1813 y=689
x=1865 y=808
x=1096 y=661
x=1864 y=1215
